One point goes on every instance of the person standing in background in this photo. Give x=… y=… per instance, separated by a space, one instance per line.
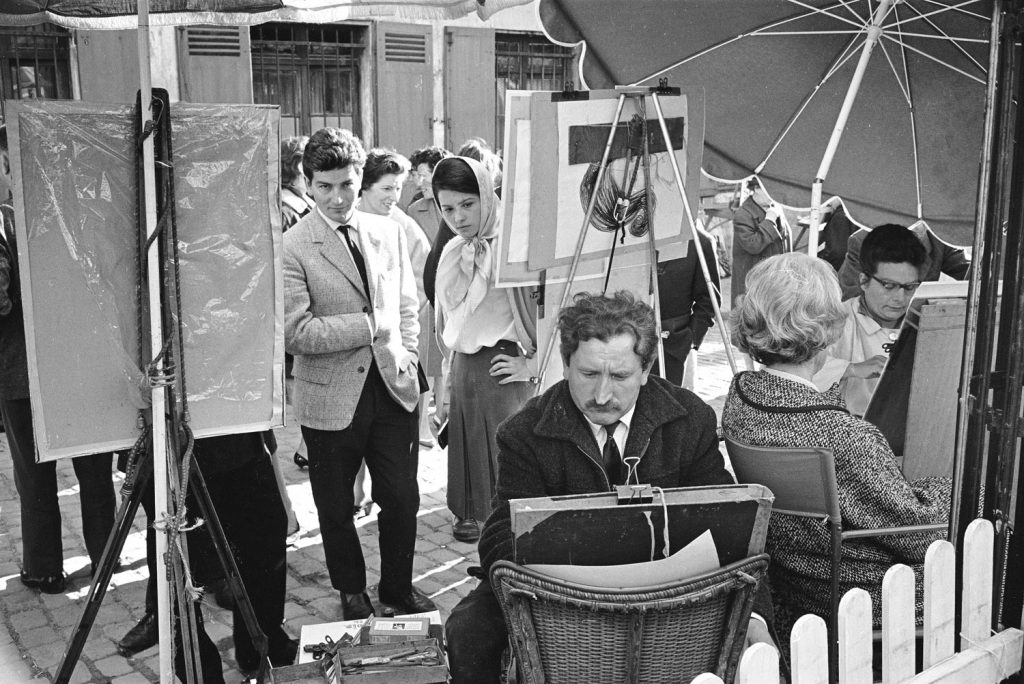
x=42 y=549
x=383 y=177
x=758 y=233
x=490 y=333
x=352 y=322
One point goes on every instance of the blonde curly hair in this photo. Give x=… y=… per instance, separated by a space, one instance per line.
x=791 y=310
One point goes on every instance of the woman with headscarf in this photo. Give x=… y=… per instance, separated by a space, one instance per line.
x=490 y=333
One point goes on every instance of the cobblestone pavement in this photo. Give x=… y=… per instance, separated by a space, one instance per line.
x=37 y=627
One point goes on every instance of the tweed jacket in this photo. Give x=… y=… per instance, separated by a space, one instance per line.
x=334 y=328
x=763 y=409
x=547 y=449
x=942 y=258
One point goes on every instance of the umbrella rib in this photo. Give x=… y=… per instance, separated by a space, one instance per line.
x=942 y=33
x=826 y=11
x=935 y=59
x=913 y=114
x=952 y=39
x=923 y=15
x=905 y=87
x=961 y=10
x=755 y=31
x=844 y=56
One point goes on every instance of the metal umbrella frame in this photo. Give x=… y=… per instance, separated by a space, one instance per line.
x=887 y=96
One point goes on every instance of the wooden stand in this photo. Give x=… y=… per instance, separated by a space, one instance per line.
x=915 y=403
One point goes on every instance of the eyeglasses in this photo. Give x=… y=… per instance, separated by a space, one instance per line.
x=892 y=285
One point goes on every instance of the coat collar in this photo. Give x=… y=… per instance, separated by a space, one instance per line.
x=337 y=254
x=561 y=420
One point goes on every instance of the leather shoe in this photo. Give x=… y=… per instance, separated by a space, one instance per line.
x=412 y=601
x=51 y=584
x=355 y=606
x=300 y=460
x=140 y=637
x=281 y=653
x=466 y=530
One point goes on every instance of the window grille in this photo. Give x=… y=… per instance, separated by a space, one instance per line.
x=311 y=72
x=35 y=63
x=527 y=61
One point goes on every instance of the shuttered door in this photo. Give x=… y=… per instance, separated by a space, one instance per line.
x=404 y=86
x=469 y=80
x=214 y=63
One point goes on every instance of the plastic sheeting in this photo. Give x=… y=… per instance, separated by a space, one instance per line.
x=75 y=202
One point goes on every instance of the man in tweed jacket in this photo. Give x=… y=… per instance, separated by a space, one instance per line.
x=352 y=324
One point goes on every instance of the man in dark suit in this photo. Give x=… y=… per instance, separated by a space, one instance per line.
x=758 y=233
x=352 y=324
x=686 y=307
x=576 y=438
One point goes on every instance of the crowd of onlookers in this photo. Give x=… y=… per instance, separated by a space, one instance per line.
x=399 y=339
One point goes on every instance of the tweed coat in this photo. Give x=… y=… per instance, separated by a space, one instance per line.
x=763 y=409
x=547 y=449
x=334 y=328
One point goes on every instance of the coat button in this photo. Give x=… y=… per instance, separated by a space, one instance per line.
x=361 y=369
x=366 y=309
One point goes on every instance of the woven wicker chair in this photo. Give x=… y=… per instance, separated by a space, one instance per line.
x=565 y=632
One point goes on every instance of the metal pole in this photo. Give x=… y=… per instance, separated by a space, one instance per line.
x=582 y=238
x=967 y=401
x=158 y=403
x=652 y=252
x=874 y=32
x=696 y=235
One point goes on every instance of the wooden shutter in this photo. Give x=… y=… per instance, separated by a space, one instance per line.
x=469 y=86
x=404 y=86
x=215 y=64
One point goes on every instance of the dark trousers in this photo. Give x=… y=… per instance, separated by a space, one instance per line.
x=385 y=436
x=476 y=637
x=240 y=479
x=42 y=551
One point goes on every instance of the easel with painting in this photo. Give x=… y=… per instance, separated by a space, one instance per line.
x=627 y=175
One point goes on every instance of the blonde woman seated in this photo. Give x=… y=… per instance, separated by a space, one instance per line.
x=790 y=314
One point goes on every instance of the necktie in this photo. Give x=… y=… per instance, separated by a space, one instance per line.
x=610 y=455
x=357 y=256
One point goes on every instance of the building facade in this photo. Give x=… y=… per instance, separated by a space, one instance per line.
x=398 y=84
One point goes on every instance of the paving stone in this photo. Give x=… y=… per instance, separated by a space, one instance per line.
x=133 y=678
x=113 y=666
x=29 y=619
x=31 y=638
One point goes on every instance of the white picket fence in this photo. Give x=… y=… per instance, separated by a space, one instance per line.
x=983 y=658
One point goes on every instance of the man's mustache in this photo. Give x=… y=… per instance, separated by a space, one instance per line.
x=601 y=407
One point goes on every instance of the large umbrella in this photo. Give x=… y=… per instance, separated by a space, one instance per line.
x=880 y=100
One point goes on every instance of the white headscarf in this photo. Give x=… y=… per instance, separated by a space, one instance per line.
x=467 y=267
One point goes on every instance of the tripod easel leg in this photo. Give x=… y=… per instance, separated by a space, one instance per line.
x=101 y=578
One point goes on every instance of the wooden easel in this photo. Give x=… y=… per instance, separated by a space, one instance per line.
x=640 y=94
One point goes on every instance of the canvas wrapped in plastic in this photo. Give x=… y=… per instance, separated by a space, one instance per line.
x=76 y=199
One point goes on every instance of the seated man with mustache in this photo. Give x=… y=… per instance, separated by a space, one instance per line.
x=573 y=440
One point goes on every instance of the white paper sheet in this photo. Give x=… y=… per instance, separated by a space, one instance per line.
x=696 y=558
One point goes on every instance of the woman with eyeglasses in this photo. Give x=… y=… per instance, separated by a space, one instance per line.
x=891 y=259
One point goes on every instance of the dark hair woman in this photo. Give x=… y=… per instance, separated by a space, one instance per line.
x=489 y=331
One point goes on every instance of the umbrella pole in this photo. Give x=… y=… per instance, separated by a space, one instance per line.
x=874 y=32
x=158 y=397
x=696 y=236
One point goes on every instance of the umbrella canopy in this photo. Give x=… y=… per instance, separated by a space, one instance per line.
x=776 y=73
x=120 y=14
